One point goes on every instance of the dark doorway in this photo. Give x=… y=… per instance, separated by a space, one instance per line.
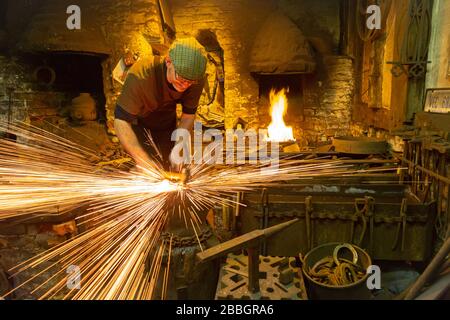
x=72 y=74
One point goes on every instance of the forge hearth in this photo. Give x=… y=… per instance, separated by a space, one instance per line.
x=293 y=88
x=280 y=47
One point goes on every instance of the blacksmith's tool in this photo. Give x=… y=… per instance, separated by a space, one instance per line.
x=179 y=177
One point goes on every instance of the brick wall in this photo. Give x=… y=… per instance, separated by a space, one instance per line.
x=20 y=242
x=333 y=114
x=14 y=75
x=130 y=26
x=121 y=25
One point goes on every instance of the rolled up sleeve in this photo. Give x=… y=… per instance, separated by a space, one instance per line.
x=130 y=99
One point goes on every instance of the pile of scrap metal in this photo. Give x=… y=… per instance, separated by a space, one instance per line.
x=337 y=271
x=112 y=155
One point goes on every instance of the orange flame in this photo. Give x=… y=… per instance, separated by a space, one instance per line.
x=277 y=130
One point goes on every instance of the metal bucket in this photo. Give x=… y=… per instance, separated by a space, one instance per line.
x=320 y=291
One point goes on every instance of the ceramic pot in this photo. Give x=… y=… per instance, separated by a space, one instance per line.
x=83 y=108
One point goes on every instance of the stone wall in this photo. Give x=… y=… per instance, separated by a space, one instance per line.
x=21 y=242
x=327 y=92
x=14 y=77
x=119 y=27
x=235 y=23
x=24 y=98
x=128 y=26
x=318 y=20
x=132 y=26
x=337 y=98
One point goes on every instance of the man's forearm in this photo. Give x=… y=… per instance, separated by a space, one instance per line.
x=130 y=142
x=187 y=121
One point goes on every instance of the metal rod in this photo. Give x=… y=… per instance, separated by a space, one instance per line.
x=237 y=211
x=225 y=217
x=247 y=240
x=10 y=101
x=427 y=171
x=253 y=269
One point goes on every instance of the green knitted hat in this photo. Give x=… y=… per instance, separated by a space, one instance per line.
x=188 y=58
